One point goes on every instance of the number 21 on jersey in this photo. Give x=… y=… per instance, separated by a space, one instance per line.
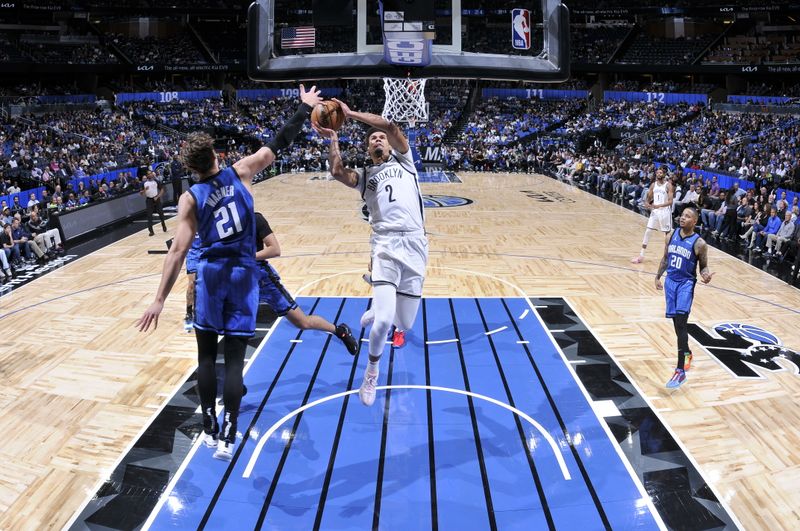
x=225 y=228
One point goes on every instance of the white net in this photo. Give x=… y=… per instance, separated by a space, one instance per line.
x=405 y=100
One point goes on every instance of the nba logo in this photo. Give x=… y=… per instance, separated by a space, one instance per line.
x=521 y=29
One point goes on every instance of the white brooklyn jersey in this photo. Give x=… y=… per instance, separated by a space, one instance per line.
x=660 y=193
x=391 y=192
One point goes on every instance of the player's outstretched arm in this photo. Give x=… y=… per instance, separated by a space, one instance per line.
x=340 y=172
x=187 y=226
x=249 y=166
x=662 y=267
x=701 y=250
x=394 y=134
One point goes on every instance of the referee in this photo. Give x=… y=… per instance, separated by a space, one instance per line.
x=152 y=191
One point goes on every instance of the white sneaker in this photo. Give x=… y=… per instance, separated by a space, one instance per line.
x=368 y=318
x=224 y=450
x=209 y=439
x=367 y=391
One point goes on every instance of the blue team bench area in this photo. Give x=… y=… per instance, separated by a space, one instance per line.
x=479 y=423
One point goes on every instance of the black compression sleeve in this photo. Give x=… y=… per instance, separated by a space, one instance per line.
x=289 y=131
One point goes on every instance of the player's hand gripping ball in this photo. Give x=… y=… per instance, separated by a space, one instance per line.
x=328 y=114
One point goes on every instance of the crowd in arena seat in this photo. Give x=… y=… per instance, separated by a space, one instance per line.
x=634 y=116
x=595 y=44
x=176 y=49
x=759 y=45
x=760 y=147
x=53 y=149
x=648 y=49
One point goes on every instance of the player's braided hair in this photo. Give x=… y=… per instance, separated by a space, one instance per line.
x=197 y=152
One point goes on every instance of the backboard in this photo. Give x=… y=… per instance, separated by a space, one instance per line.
x=306 y=40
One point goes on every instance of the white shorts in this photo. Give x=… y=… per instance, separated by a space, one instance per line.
x=400 y=259
x=660 y=219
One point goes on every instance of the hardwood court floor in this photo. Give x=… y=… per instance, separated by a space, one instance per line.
x=80 y=384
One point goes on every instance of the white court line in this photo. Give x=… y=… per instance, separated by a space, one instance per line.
x=524 y=314
x=441 y=341
x=523 y=342
x=496 y=330
x=577 y=362
x=557 y=331
x=295 y=341
x=540 y=307
x=198 y=443
x=263 y=440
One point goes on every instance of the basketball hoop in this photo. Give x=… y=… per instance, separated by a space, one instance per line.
x=405 y=100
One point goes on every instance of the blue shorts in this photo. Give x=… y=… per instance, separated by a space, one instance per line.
x=272 y=292
x=191 y=260
x=679 y=295
x=226 y=297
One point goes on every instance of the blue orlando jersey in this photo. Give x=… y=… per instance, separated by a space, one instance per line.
x=226 y=221
x=681 y=258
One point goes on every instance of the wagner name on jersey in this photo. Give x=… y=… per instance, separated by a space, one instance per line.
x=391 y=192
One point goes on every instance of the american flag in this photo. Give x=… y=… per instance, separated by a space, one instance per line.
x=302 y=37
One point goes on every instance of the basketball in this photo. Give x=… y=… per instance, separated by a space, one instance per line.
x=328 y=114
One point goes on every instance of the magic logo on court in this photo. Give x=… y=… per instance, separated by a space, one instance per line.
x=431 y=201
x=743 y=349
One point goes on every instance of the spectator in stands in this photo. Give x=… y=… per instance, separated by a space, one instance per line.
x=744 y=213
x=16 y=207
x=714 y=189
x=7 y=273
x=782 y=236
x=771 y=227
x=71 y=202
x=10 y=249
x=49 y=240
x=6 y=218
x=85 y=199
x=32 y=202
x=27 y=246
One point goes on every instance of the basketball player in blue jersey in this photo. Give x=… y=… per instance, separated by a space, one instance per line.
x=390 y=189
x=275 y=295
x=219 y=207
x=684 y=251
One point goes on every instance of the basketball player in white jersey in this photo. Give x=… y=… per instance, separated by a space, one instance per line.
x=399 y=255
x=659 y=202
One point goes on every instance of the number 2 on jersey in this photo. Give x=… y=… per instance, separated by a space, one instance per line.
x=389 y=189
x=675 y=261
x=222 y=217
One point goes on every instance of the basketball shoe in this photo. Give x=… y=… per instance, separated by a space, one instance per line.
x=677 y=379
x=398 y=338
x=188 y=323
x=687 y=363
x=367 y=390
x=210 y=428
x=344 y=333
x=227 y=438
x=209 y=439
x=637 y=259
